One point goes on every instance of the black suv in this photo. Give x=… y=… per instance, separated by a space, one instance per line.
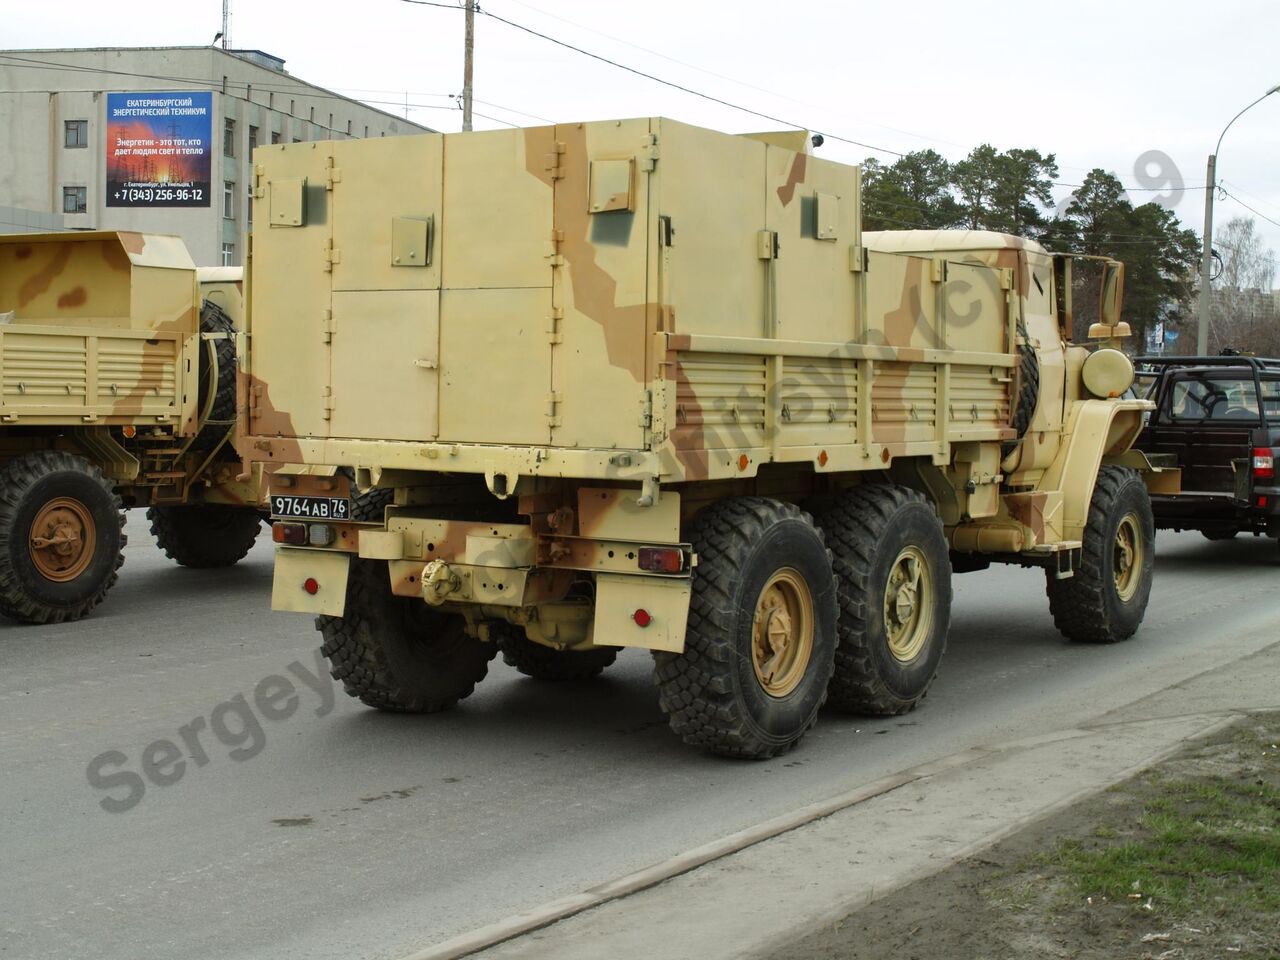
x=1218 y=418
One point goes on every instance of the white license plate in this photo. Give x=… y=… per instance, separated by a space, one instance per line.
x=310 y=508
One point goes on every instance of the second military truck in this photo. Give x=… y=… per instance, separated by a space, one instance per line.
x=639 y=384
x=117 y=389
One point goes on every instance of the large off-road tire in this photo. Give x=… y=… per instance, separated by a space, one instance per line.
x=761 y=633
x=59 y=497
x=205 y=535
x=893 y=574
x=544 y=663
x=369 y=506
x=1105 y=600
x=397 y=653
x=223 y=385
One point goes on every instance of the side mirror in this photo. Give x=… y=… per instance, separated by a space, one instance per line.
x=1110 y=301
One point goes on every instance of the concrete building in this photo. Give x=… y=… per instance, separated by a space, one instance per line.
x=157 y=139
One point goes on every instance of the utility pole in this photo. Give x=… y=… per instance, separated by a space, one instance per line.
x=1206 y=256
x=466 y=64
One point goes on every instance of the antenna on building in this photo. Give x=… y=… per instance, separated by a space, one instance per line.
x=226 y=24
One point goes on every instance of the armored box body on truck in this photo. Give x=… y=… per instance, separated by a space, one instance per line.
x=597 y=381
x=117 y=388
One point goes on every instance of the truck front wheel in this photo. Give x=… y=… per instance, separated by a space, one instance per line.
x=761 y=634
x=396 y=653
x=61 y=537
x=205 y=535
x=1105 y=600
x=894 y=574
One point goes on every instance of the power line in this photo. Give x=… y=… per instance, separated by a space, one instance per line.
x=1249 y=208
x=656 y=79
x=720 y=76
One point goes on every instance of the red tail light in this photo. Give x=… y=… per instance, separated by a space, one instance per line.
x=292 y=533
x=1264 y=463
x=661 y=559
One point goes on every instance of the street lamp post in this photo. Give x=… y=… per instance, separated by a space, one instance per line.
x=1211 y=187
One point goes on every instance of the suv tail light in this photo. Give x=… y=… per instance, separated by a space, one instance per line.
x=1264 y=463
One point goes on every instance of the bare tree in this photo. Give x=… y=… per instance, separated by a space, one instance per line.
x=1243 y=309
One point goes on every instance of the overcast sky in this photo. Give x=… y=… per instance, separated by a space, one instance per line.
x=1099 y=84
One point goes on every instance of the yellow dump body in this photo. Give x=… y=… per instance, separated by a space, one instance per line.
x=635 y=299
x=98 y=329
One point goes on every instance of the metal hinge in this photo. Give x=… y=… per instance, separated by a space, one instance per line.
x=328 y=327
x=326 y=401
x=332 y=255
x=553 y=325
x=553 y=163
x=649 y=153
x=554 y=257
x=646 y=410
x=332 y=174
x=553 y=401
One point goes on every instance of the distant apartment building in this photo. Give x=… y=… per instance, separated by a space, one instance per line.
x=156 y=139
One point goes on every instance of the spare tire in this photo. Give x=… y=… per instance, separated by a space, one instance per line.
x=221 y=383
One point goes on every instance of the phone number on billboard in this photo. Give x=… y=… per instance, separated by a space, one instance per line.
x=151 y=194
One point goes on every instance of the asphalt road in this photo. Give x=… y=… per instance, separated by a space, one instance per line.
x=337 y=831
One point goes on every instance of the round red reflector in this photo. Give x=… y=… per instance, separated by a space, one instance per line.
x=642 y=618
x=311 y=586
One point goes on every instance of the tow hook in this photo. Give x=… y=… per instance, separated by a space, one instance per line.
x=438 y=581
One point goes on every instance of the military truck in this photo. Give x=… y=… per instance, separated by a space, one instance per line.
x=117 y=389
x=639 y=384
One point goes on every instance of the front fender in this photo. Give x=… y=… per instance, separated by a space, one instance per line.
x=1094 y=429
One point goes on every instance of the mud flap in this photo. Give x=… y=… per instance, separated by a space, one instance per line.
x=293 y=570
x=624 y=603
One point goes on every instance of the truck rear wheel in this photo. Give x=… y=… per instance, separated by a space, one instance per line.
x=205 y=535
x=396 y=653
x=1105 y=600
x=61 y=537
x=893 y=573
x=543 y=663
x=761 y=632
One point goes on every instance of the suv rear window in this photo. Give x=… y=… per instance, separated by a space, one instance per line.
x=1226 y=398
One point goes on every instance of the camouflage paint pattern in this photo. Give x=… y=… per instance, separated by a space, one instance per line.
x=644 y=307
x=100 y=353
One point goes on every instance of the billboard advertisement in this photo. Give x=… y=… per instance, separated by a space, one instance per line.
x=159 y=149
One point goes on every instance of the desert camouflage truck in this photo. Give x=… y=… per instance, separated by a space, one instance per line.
x=639 y=384
x=117 y=389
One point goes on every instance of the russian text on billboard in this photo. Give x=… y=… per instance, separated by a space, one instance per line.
x=159 y=149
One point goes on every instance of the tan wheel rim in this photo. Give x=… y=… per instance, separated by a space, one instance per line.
x=63 y=536
x=782 y=633
x=908 y=607
x=1128 y=557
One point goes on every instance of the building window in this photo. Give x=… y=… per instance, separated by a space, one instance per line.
x=228 y=138
x=75 y=199
x=297 y=140
x=228 y=199
x=228 y=254
x=275 y=137
x=253 y=142
x=76 y=133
